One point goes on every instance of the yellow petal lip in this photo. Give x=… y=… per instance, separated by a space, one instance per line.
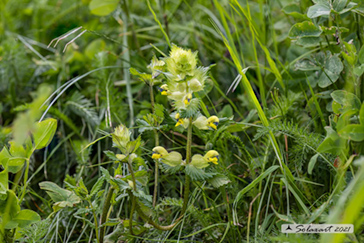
x=164 y=92
x=214 y=160
x=212 y=156
x=213 y=122
x=156 y=156
x=179 y=122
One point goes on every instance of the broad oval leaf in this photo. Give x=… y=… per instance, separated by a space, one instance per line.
x=318 y=10
x=26 y=217
x=44 y=133
x=103 y=7
x=353 y=132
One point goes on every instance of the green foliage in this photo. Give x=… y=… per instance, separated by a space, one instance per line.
x=289 y=133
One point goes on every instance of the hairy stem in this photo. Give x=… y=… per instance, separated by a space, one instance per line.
x=188 y=160
x=156 y=143
x=186 y=192
x=105 y=212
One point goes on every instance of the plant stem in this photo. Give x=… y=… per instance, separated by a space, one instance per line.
x=156 y=143
x=188 y=160
x=105 y=212
x=95 y=219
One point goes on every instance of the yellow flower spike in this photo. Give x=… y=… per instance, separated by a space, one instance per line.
x=212 y=156
x=159 y=152
x=188 y=99
x=213 y=122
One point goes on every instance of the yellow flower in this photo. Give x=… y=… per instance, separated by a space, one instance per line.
x=212 y=156
x=159 y=152
x=187 y=99
x=179 y=120
x=201 y=162
x=172 y=159
x=213 y=121
x=164 y=89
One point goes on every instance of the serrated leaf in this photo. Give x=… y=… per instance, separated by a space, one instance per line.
x=142 y=76
x=103 y=7
x=218 y=181
x=197 y=174
x=191 y=110
x=159 y=110
x=105 y=173
x=61 y=197
x=111 y=155
x=97 y=186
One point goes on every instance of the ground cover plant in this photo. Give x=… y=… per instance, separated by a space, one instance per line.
x=180 y=121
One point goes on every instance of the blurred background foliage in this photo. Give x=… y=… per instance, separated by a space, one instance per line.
x=128 y=36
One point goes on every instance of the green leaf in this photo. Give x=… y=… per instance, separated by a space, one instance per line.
x=97 y=186
x=24 y=218
x=103 y=7
x=332 y=69
x=111 y=155
x=17 y=160
x=353 y=132
x=305 y=33
x=294 y=11
x=361 y=55
x=44 y=133
x=255 y=182
x=95 y=47
x=197 y=174
x=312 y=163
x=333 y=143
x=317 y=10
x=361 y=115
x=347 y=100
x=219 y=180
x=304 y=29
x=9 y=208
x=61 y=197
x=358 y=71
x=339 y=5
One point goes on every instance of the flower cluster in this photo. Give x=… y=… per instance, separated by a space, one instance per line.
x=174 y=159
x=184 y=78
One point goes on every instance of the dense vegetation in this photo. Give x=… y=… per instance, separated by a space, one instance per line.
x=180 y=121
